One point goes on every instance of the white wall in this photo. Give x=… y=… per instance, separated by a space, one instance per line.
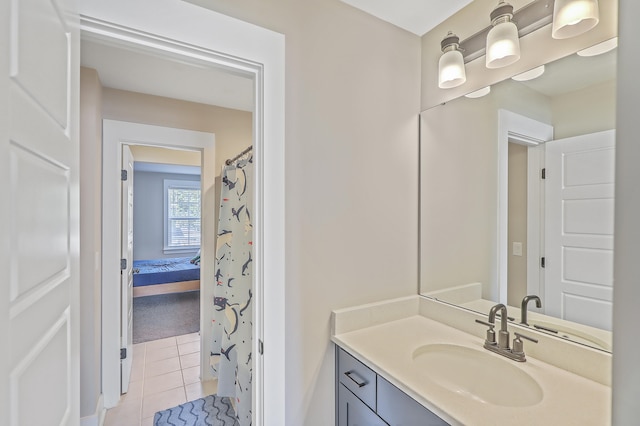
x=148 y=214
x=352 y=104
x=154 y=154
x=233 y=128
x=517 y=223
x=626 y=315
x=585 y=111
x=459 y=185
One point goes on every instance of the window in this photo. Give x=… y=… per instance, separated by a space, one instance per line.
x=182 y=215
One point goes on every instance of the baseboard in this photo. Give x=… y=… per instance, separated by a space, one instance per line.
x=97 y=418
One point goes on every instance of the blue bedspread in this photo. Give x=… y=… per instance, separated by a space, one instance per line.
x=161 y=271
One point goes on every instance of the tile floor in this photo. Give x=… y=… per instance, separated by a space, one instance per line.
x=165 y=373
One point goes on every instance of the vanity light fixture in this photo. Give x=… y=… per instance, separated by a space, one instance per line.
x=599 y=48
x=529 y=75
x=500 y=43
x=451 y=64
x=503 y=44
x=574 y=17
x=479 y=93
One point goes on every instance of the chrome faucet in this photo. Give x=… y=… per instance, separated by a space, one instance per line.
x=503 y=334
x=523 y=308
x=501 y=347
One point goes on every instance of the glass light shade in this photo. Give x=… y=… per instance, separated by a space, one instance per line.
x=451 y=69
x=503 y=45
x=529 y=75
x=479 y=93
x=574 y=17
x=599 y=48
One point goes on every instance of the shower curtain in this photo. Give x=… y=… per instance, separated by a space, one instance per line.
x=232 y=319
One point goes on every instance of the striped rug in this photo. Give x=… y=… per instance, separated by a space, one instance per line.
x=212 y=410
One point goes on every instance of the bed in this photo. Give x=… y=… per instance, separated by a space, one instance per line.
x=160 y=276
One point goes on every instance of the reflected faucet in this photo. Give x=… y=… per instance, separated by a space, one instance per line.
x=525 y=303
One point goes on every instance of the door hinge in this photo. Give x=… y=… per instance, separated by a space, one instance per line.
x=542 y=262
x=123 y=264
x=123 y=175
x=260 y=347
x=123 y=353
x=544 y=173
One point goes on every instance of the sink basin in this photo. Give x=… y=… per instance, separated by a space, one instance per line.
x=478 y=375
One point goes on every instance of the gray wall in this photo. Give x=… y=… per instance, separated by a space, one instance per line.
x=626 y=297
x=148 y=214
x=90 y=241
x=351 y=111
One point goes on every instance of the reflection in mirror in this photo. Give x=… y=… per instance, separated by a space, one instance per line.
x=492 y=230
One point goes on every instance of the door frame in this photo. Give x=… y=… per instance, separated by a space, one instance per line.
x=258 y=53
x=117 y=134
x=517 y=128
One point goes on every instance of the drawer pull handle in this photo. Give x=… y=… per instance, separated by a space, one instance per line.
x=360 y=382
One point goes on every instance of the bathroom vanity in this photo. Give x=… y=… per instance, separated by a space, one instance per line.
x=366 y=398
x=416 y=361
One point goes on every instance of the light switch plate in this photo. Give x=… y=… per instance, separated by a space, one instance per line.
x=517 y=249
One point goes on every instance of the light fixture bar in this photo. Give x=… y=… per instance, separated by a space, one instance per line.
x=529 y=18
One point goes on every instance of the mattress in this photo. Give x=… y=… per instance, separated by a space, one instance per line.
x=162 y=271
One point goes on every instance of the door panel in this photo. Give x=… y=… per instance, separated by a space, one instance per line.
x=39 y=223
x=37 y=21
x=579 y=202
x=126 y=334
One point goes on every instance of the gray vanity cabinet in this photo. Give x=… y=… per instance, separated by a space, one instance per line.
x=354 y=412
x=364 y=398
x=399 y=409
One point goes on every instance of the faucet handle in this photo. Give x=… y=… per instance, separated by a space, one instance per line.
x=518 y=344
x=488 y=324
x=522 y=336
x=491 y=335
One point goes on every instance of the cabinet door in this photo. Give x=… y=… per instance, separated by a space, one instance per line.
x=399 y=409
x=353 y=412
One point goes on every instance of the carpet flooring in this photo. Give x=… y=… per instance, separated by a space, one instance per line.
x=165 y=315
x=209 y=411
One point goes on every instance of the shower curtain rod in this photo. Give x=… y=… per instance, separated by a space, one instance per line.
x=231 y=160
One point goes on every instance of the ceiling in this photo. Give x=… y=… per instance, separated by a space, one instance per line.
x=143 y=72
x=124 y=68
x=416 y=16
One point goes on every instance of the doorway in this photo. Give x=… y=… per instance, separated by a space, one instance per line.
x=116 y=135
x=259 y=53
x=166 y=242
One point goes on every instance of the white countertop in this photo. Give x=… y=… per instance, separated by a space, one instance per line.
x=387 y=348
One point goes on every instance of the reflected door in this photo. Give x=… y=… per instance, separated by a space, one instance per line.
x=579 y=198
x=126 y=279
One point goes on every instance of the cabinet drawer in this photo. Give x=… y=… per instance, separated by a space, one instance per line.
x=358 y=378
x=399 y=409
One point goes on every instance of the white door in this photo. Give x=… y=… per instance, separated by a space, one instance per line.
x=579 y=201
x=39 y=219
x=126 y=270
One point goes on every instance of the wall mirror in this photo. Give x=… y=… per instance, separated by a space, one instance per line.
x=516 y=198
